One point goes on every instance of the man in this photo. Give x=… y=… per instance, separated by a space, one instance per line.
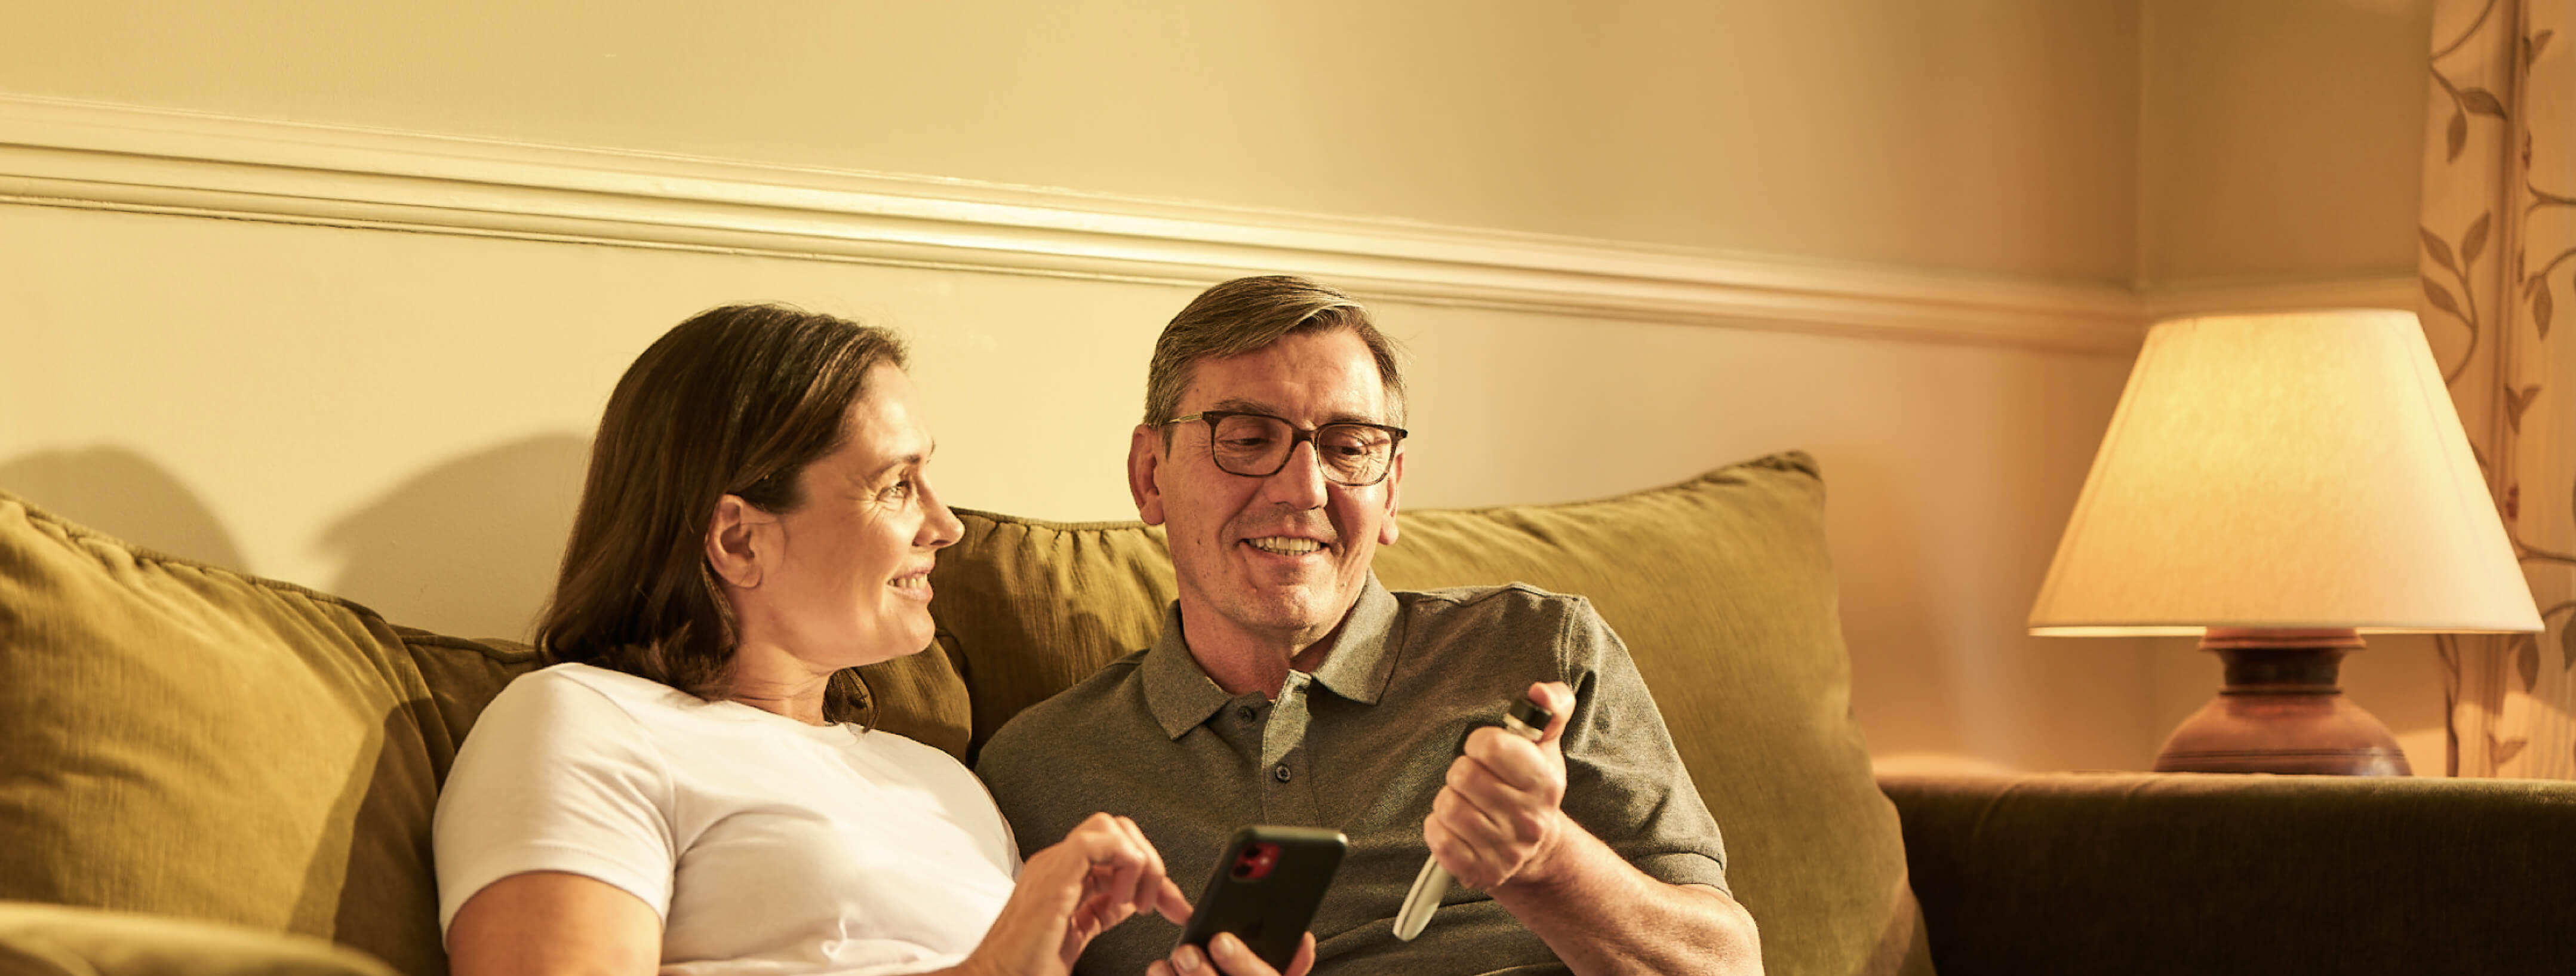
x=1289 y=687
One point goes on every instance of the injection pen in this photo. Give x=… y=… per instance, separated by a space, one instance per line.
x=1525 y=719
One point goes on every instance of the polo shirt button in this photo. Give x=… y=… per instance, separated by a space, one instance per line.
x=1245 y=713
x=1279 y=772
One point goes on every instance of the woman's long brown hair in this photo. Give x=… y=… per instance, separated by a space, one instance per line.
x=735 y=401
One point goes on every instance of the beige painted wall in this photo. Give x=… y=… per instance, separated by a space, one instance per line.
x=400 y=417
x=2281 y=140
x=1988 y=135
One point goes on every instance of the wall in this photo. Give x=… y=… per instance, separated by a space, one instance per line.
x=1967 y=134
x=400 y=416
x=2280 y=141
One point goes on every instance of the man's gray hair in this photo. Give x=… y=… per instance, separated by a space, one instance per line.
x=1246 y=315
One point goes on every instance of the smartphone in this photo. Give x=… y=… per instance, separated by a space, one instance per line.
x=1265 y=889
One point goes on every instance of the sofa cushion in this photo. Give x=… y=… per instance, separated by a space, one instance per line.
x=54 y=940
x=187 y=740
x=1720 y=586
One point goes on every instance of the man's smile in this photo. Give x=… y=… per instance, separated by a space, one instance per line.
x=1285 y=545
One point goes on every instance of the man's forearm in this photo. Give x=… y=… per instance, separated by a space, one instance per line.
x=1601 y=915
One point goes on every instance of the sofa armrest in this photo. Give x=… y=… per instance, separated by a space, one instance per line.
x=2196 y=873
x=61 y=940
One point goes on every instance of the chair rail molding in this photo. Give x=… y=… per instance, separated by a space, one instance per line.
x=97 y=156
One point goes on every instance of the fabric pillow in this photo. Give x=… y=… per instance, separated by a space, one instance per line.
x=1026 y=608
x=186 y=740
x=1720 y=586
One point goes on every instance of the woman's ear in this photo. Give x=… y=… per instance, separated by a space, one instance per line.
x=738 y=544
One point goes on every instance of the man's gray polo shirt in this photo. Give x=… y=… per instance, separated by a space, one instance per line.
x=1360 y=746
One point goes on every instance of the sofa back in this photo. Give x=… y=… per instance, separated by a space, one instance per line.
x=185 y=740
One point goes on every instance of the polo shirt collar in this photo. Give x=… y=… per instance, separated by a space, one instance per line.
x=1358 y=665
x=1177 y=690
x=1182 y=696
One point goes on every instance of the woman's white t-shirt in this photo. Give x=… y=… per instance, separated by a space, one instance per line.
x=765 y=844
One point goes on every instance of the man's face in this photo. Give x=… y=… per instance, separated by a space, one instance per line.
x=1281 y=558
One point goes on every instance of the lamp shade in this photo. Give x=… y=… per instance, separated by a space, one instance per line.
x=2284 y=471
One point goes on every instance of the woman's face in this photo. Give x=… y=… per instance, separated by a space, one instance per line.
x=851 y=584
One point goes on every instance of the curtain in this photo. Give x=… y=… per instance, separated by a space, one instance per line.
x=2499 y=249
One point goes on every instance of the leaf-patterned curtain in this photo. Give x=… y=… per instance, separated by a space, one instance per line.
x=2499 y=237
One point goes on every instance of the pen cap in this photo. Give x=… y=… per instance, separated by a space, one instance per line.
x=1531 y=714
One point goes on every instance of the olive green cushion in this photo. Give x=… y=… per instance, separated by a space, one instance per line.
x=1720 y=586
x=185 y=740
x=53 y=940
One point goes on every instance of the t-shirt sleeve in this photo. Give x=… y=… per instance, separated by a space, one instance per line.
x=554 y=777
x=1625 y=781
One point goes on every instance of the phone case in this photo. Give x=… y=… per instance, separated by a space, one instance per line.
x=1266 y=887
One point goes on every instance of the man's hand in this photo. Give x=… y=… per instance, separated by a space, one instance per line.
x=1500 y=817
x=1499 y=824
x=1231 y=958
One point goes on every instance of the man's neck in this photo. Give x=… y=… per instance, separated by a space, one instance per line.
x=1241 y=660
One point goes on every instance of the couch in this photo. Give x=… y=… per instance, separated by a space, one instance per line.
x=207 y=772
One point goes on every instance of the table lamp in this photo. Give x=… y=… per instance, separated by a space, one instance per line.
x=2280 y=484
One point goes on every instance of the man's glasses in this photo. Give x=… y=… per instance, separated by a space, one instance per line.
x=1257 y=445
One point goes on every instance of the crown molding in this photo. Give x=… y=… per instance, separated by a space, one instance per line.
x=2403 y=291
x=120 y=158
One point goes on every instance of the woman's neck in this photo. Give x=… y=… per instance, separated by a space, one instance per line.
x=769 y=678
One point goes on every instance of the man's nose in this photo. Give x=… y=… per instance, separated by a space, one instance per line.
x=1298 y=483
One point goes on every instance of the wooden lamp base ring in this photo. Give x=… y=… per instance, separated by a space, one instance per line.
x=2282 y=712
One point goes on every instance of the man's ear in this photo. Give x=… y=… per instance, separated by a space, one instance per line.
x=1394 y=481
x=1144 y=460
x=738 y=542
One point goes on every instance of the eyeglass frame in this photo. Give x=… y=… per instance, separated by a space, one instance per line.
x=1296 y=435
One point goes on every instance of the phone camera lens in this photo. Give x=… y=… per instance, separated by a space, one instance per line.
x=1256 y=861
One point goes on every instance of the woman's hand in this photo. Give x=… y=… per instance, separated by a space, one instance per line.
x=1101 y=874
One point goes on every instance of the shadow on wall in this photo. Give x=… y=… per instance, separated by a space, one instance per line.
x=126 y=495
x=470 y=548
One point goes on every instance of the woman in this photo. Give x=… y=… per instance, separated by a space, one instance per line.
x=684 y=787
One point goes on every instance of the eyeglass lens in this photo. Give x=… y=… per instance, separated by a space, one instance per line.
x=1351 y=454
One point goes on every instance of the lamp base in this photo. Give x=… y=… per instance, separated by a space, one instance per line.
x=2281 y=712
